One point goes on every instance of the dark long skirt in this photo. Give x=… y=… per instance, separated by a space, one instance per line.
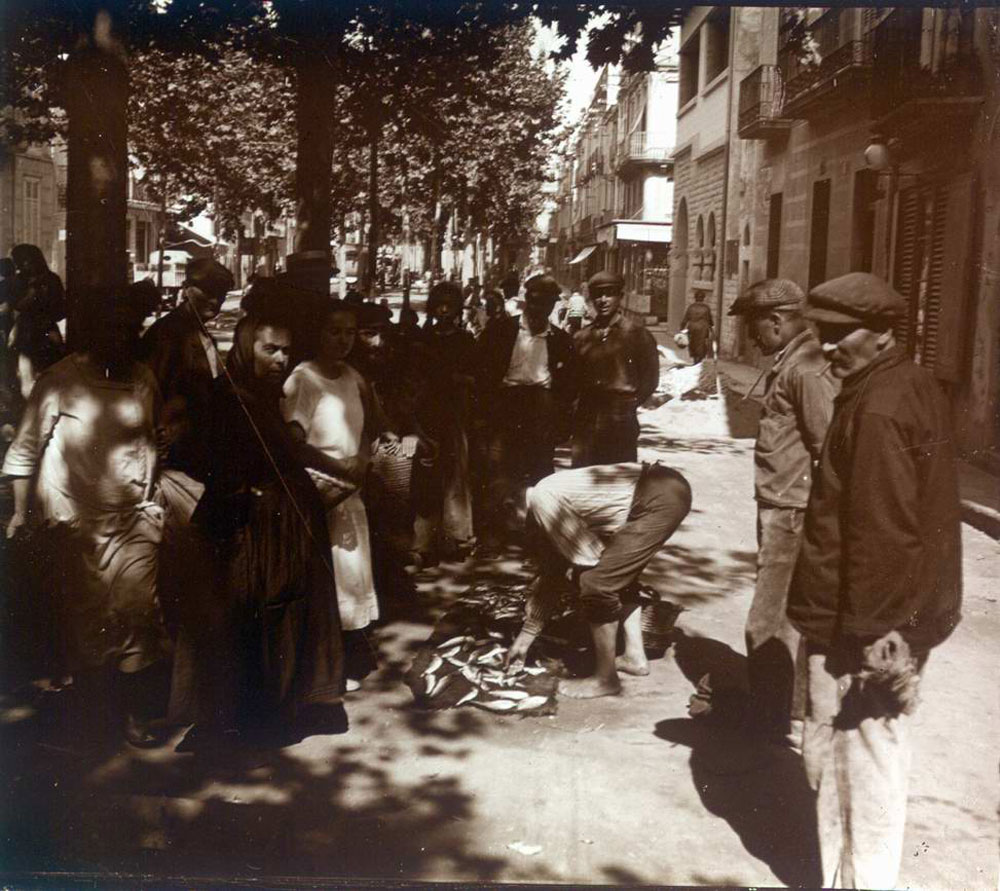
x=265 y=630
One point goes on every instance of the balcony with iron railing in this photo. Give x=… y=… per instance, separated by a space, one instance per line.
x=836 y=71
x=762 y=101
x=644 y=147
x=925 y=70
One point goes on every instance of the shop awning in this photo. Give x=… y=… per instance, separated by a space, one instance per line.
x=656 y=233
x=586 y=252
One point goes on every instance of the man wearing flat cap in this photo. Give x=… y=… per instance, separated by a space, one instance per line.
x=619 y=369
x=185 y=361
x=795 y=413
x=525 y=387
x=878 y=582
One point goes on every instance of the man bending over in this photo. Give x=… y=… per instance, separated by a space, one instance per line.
x=607 y=521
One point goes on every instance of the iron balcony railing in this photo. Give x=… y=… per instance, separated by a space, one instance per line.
x=642 y=145
x=762 y=103
x=907 y=67
x=830 y=64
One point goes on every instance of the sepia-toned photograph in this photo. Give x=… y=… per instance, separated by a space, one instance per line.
x=499 y=444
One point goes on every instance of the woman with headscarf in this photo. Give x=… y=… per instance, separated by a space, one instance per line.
x=84 y=471
x=269 y=660
x=38 y=304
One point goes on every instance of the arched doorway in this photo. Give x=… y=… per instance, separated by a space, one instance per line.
x=679 y=265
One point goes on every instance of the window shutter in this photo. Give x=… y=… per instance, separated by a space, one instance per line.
x=953 y=293
x=907 y=243
x=930 y=306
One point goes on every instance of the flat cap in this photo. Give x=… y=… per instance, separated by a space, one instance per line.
x=541 y=286
x=770 y=293
x=606 y=281
x=209 y=275
x=855 y=297
x=445 y=290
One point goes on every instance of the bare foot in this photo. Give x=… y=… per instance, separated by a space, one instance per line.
x=588 y=688
x=631 y=666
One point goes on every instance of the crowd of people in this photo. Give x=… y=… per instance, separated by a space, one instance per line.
x=219 y=529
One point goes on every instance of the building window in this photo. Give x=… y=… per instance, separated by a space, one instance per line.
x=141 y=241
x=128 y=237
x=819 y=232
x=31 y=231
x=690 y=62
x=716 y=43
x=774 y=235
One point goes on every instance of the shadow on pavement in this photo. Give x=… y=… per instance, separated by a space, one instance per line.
x=322 y=808
x=761 y=792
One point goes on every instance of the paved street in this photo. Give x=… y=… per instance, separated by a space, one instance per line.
x=618 y=790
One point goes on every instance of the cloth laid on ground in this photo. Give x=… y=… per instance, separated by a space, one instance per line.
x=462 y=663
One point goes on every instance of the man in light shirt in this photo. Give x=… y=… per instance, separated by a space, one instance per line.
x=526 y=383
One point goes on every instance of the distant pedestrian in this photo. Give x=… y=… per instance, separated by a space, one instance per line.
x=576 y=312
x=796 y=411
x=619 y=369
x=878 y=582
x=442 y=488
x=510 y=283
x=700 y=326
x=38 y=303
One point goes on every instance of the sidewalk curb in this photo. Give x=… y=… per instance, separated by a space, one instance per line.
x=983 y=518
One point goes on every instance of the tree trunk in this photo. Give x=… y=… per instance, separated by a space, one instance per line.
x=314 y=162
x=437 y=230
x=97 y=175
x=373 y=213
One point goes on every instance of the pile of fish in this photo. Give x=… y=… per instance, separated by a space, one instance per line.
x=468 y=668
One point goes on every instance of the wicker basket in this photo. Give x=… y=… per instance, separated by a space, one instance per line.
x=657 y=621
x=395 y=472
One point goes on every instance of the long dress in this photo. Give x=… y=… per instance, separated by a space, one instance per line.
x=331 y=412
x=267 y=634
x=88 y=444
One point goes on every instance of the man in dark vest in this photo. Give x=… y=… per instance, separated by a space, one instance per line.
x=526 y=384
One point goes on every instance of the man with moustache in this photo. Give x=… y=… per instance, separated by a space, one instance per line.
x=795 y=413
x=619 y=369
x=878 y=582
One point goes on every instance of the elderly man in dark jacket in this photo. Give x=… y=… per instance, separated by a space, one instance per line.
x=878 y=581
x=526 y=384
x=619 y=370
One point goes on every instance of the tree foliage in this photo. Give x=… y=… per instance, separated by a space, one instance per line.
x=216 y=131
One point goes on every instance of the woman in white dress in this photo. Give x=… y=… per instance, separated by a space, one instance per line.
x=336 y=417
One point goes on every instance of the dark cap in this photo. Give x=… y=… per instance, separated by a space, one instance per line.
x=210 y=276
x=770 y=293
x=445 y=290
x=371 y=315
x=541 y=286
x=855 y=297
x=605 y=281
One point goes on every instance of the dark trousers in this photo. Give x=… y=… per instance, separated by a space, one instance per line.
x=661 y=501
x=521 y=442
x=775 y=660
x=605 y=430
